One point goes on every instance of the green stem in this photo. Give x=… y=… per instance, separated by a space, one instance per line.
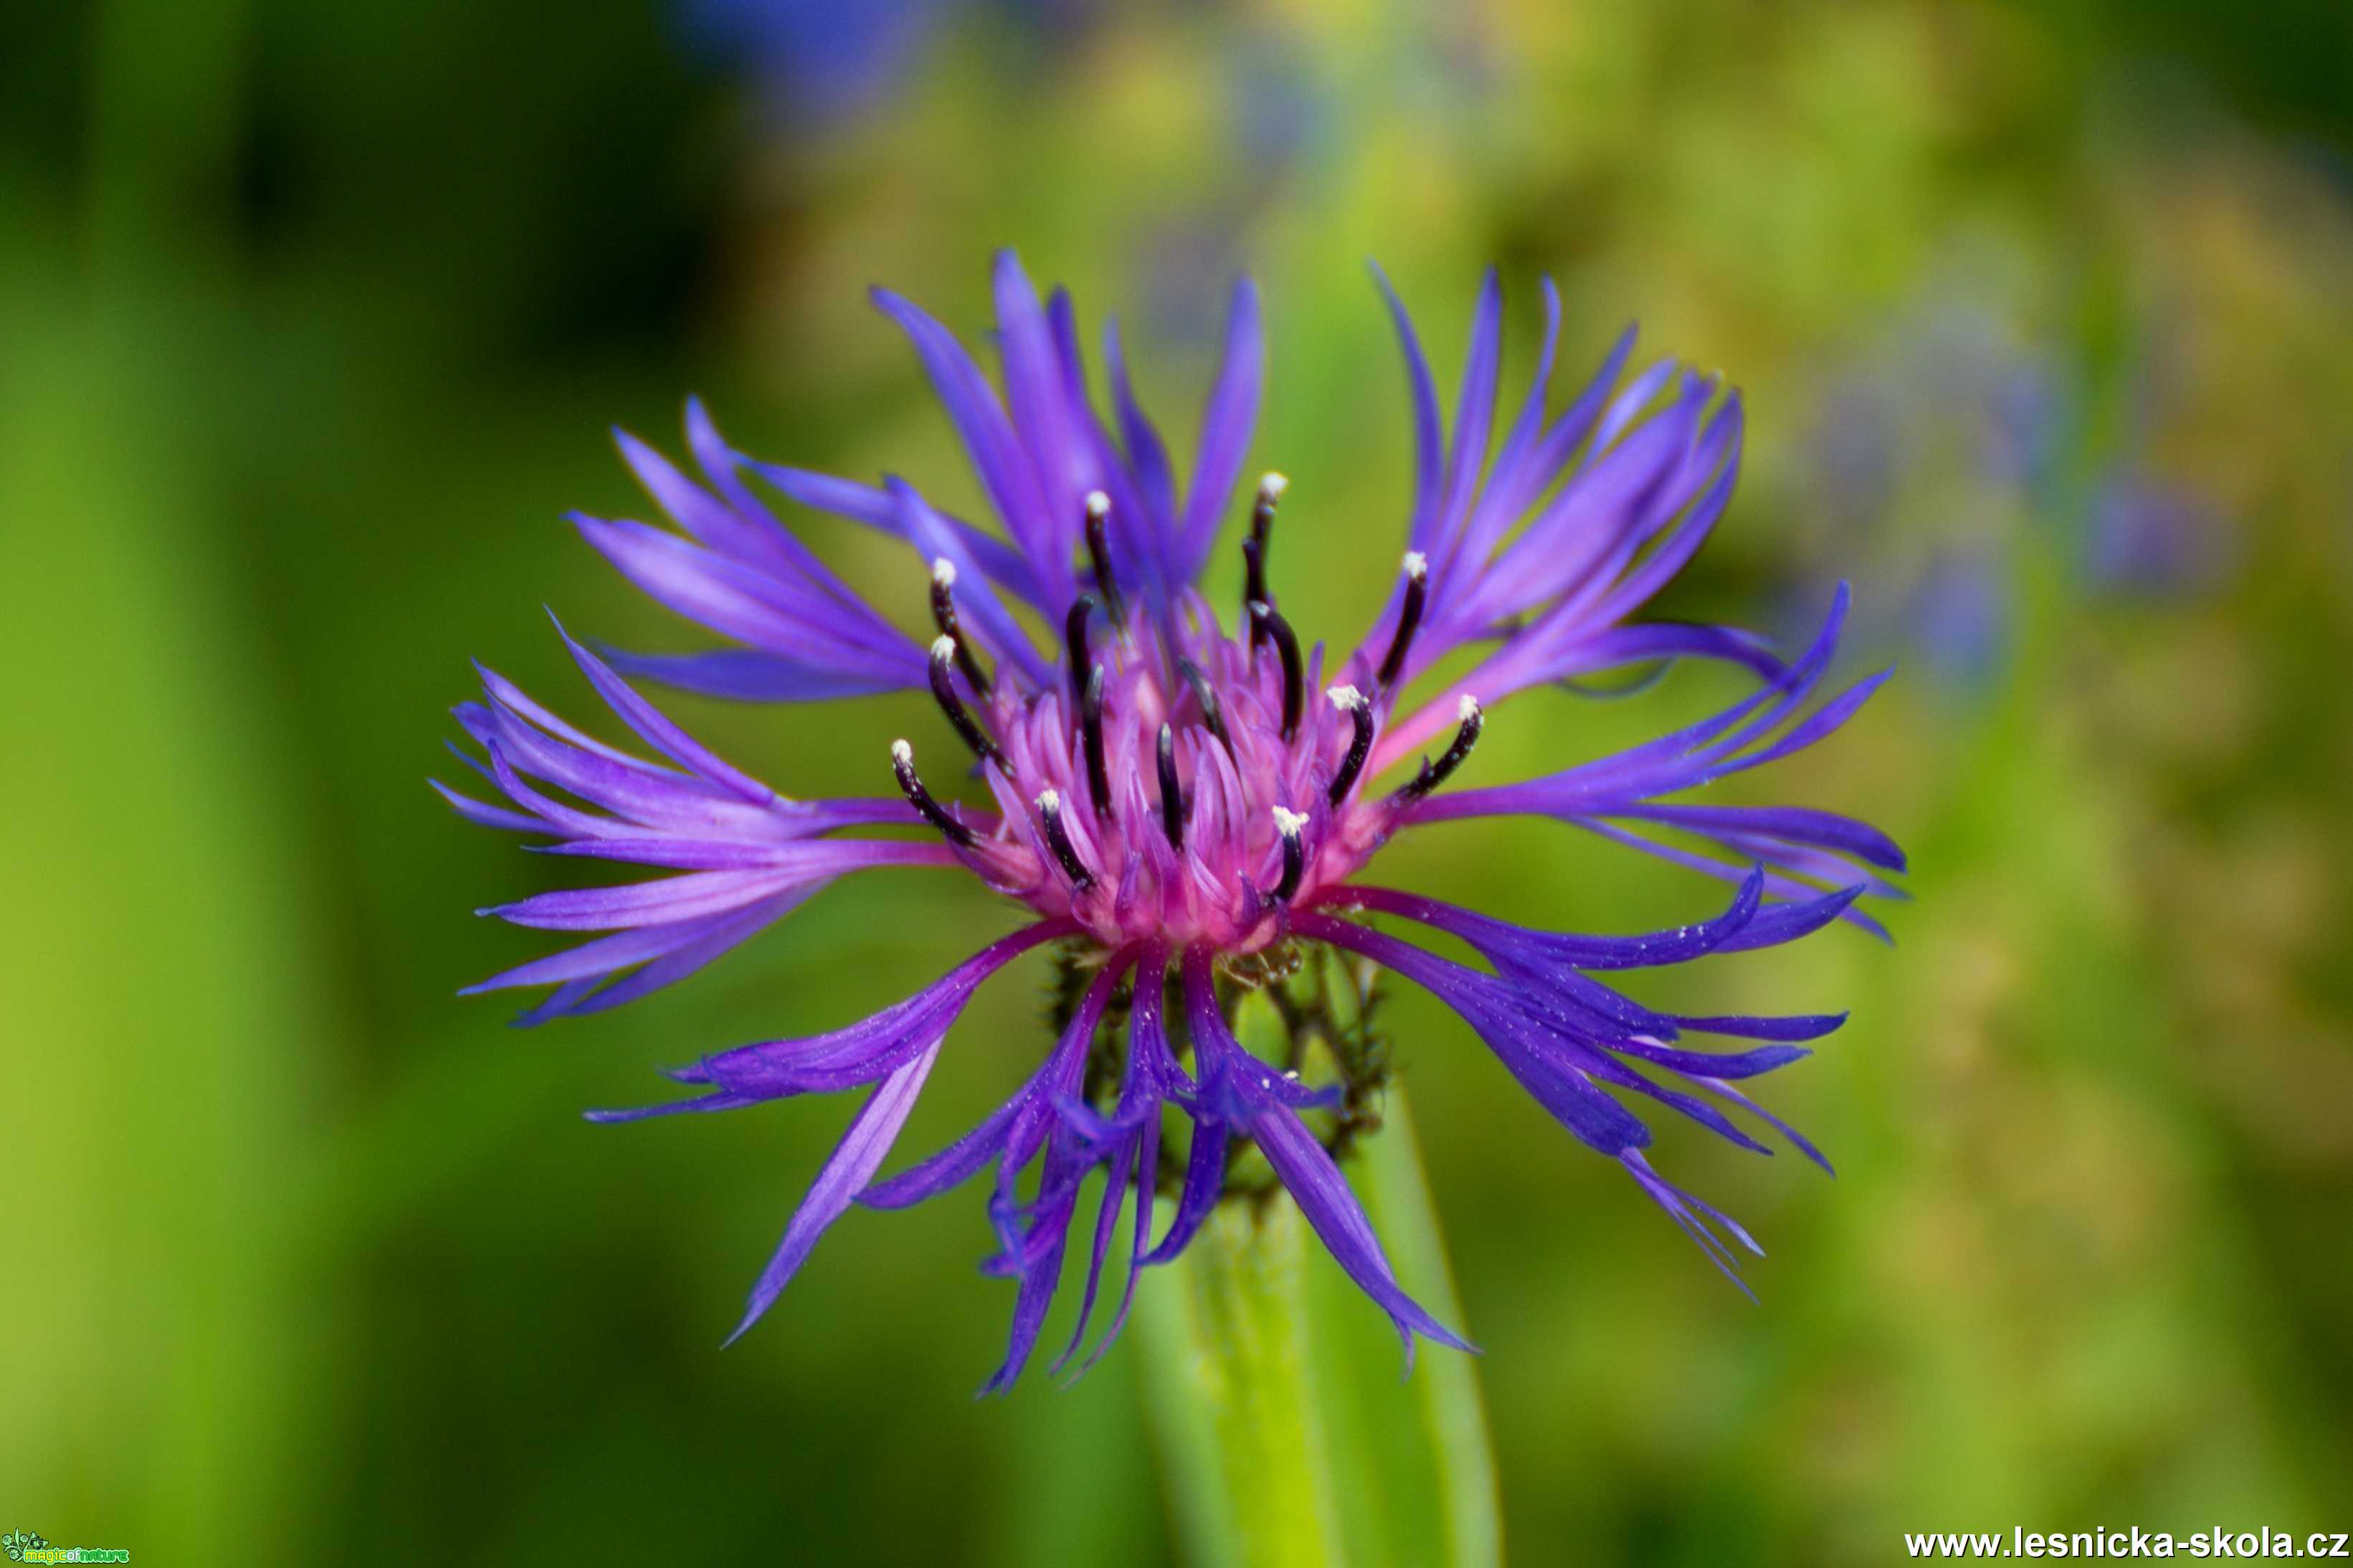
x=1272 y=1387
x=1229 y=1384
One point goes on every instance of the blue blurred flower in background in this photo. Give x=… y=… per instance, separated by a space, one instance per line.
x=819 y=62
x=1934 y=453
x=815 y=60
x=2150 y=536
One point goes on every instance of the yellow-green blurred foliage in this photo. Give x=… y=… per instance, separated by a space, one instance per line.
x=310 y=320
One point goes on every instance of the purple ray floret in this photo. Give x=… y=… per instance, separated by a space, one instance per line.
x=1178 y=797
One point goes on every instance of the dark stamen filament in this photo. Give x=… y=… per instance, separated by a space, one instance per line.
x=1213 y=714
x=1253 y=588
x=1295 y=853
x=1431 y=776
x=1058 y=839
x=1286 y=643
x=943 y=615
x=945 y=649
x=902 y=762
x=1099 y=552
x=1270 y=491
x=1351 y=701
x=1417 y=590
x=1091 y=715
x=1172 y=792
x=1075 y=638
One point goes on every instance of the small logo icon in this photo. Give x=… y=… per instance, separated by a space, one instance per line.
x=17 y=1542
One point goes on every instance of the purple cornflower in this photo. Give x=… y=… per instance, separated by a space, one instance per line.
x=1178 y=806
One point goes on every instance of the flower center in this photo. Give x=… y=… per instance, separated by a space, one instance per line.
x=1172 y=782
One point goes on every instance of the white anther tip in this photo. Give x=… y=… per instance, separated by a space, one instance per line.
x=943 y=647
x=903 y=754
x=1098 y=504
x=1049 y=801
x=1273 y=486
x=1289 y=823
x=944 y=571
x=1417 y=564
x=1468 y=709
x=1346 y=698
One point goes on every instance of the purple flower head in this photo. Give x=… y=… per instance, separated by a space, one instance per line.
x=1182 y=802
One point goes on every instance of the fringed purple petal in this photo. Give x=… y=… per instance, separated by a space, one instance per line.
x=1714 y=1064
x=673 y=899
x=1147 y=455
x=1593 y=529
x=1535 y=457
x=702 y=1104
x=1205 y=1178
x=780 y=868
x=1323 y=1194
x=746 y=675
x=739 y=601
x=1796 y=825
x=1777 y=883
x=1501 y=943
x=1040 y=1275
x=1049 y=428
x=1429 y=435
x=1777 y=923
x=951 y=1167
x=962 y=1159
x=1791 y=842
x=743 y=574
x=1004 y=565
x=862 y=1150
x=747 y=855
x=1692 y=1215
x=1553 y=580
x=1307 y=1169
x=609 y=954
x=875 y=1043
x=694 y=509
x=1139 y=1242
x=1226 y=422
x=1530 y=1050
x=1792 y=1026
x=1474 y=416
x=1717 y=1086
x=475 y=812
x=1151 y=1077
x=989 y=440
x=672 y=966
x=1107 y=1209
x=976 y=600
x=1716 y=461
x=1033 y=1250
x=1619 y=1075
x=765 y=536
x=1651 y=641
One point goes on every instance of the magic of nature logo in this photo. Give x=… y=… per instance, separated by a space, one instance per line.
x=31 y=1546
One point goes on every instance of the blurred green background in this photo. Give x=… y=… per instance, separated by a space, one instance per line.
x=311 y=320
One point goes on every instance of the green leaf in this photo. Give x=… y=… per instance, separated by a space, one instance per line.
x=1273 y=1386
